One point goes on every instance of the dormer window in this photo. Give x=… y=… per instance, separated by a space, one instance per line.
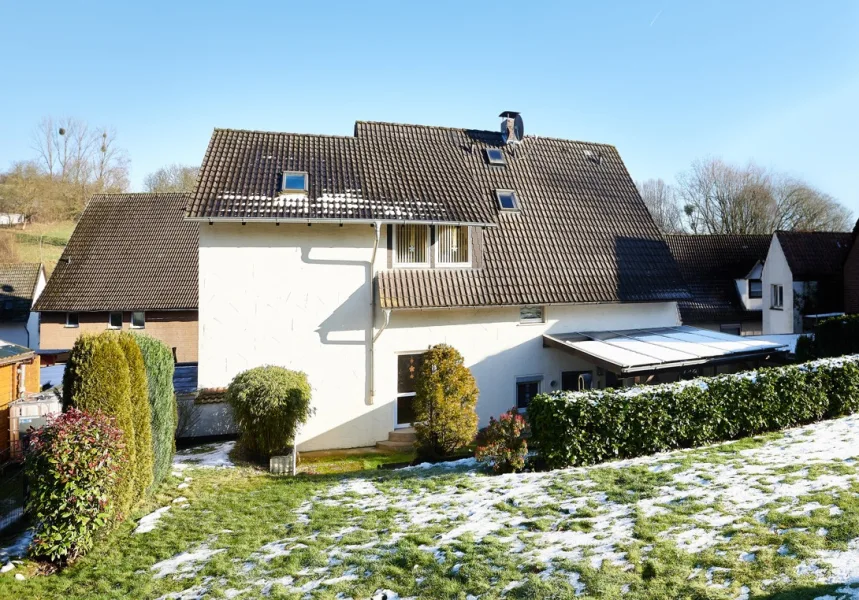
x=507 y=200
x=756 y=288
x=294 y=182
x=453 y=246
x=495 y=156
x=411 y=245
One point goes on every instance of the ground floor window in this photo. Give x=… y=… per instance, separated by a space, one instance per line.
x=732 y=329
x=526 y=389
x=408 y=366
x=138 y=320
x=72 y=319
x=114 y=320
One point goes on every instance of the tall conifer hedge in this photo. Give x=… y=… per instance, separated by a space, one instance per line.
x=158 y=360
x=140 y=413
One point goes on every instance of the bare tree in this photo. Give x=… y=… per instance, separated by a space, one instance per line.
x=172 y=178
x=661 y=201
x=722 y=198
x=73 y=161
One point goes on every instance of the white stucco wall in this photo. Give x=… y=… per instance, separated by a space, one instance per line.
x=33 y=320
x=300 y=297
x=776 y=270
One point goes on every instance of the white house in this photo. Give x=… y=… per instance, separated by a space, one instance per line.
x=20 y=287
x=723 y=272
x=803 y=277
x=347 y=257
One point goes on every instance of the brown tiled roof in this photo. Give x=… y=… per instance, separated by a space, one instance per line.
x=709 y=264
x=128 y=252
x=349 y=178
x=583 y=233
x=17 y=286
x=815 y=255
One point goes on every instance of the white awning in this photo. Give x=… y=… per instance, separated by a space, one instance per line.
x=658 y=349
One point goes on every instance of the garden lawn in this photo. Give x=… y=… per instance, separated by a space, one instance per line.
x=769 y=517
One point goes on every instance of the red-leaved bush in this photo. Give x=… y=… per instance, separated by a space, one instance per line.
x=504 y=448
x=72 y=466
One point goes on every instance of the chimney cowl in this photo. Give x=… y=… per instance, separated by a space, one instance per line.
x=512 y=127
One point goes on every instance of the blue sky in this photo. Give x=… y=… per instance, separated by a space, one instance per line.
x=665 y=81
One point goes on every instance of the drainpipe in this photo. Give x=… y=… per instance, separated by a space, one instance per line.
x=377 y=226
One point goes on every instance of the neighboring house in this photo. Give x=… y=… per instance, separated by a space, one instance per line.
x=19 y=374
x=803 y=279
x=20 y=287
x=347 y=257
x=723 y=272
x=851 y=275
x=131 y=263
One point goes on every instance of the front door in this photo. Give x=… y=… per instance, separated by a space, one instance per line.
x=408 y=366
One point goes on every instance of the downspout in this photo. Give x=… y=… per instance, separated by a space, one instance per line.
x=377 y=226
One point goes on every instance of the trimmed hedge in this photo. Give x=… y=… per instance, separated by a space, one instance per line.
x=158 y=359
x=72 y=464
x=269 y=403
x=579 y=428
x=97 y=380
x=835 y=336
x=140 y=413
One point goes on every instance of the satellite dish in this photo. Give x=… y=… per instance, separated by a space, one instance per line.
x=512 y=127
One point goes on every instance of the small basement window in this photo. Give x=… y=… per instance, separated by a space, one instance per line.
x=72 y=319
x=495 y=156
x=531 y=314
x=294 y=181
x=138 y=320
x=756 y=288
x=114 y=320
x=507 y=199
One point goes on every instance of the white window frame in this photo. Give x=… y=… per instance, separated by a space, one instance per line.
x=76 y=325
x=138 y=312
x=536 y=378
x=776 y=296
x=395 y=245
x=437 y=237
x=110 y=324
x=499 y=192
x=541 y=320
x=285 y=190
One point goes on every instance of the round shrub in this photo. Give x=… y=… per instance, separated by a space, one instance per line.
x=97 y=380
x=269 y=403
x=141 y=416
x=158 y=360
x=445 y=401
x=503 y=447
x=73 y=465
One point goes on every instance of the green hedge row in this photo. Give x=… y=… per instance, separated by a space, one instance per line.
x=836 y=336
x=162 y=402
x=578 y=428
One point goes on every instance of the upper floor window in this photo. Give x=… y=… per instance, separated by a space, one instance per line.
x=777 y=299
x=756 y=288
x=114 y=320
x=411 y=244
x=294 y=181
x=453 y=247
x=138 y=320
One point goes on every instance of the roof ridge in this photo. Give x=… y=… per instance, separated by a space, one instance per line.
x=270 y=132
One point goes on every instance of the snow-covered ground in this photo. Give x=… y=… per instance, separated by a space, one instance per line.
x=574 y=516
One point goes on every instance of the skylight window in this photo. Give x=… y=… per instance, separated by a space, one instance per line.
x=507 y=199
x=495 y=156
x=295 y=182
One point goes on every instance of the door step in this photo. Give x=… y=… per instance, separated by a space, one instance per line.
x=399 y=439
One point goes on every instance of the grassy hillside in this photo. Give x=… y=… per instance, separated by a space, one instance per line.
x=39 y=242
